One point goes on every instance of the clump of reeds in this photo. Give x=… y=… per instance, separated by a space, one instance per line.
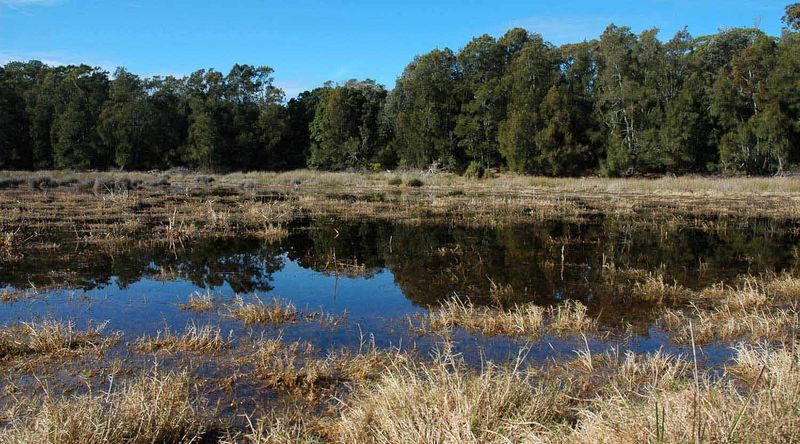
x=58 y=337
x=192 y=339
x=275 y=312
x=12 y=296
x=655 y=289
x=276 y=428
x=52 y=338
x=298 y=367
x=570 y=317
x=157 y=408
x=10 y=345
x=200 y=302
x=520 y=320
x=455 y=312
x=289 y=366
x=763 y=307
x=726 y=323
x=784 y=287
x=501 y=294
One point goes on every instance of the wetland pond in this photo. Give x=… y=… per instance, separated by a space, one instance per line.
x=372 y=279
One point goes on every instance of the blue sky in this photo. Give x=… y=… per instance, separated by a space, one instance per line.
x=309 y=42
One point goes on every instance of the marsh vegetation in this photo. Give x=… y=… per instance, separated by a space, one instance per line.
x=339 y=307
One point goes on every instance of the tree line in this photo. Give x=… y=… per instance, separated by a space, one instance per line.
x=621 y=104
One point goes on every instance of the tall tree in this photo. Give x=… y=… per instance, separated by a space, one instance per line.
x=425 y=107
x=529 y=78
x=345 y=132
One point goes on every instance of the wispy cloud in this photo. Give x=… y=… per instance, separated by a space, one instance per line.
x=341 y=72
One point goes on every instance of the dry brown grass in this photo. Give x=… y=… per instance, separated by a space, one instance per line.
x=570 y=317
x=760 y=409
x=727 y=324
x=278 y=428
x=157 y=408
x=655 y=289
x=447 y=403
x=521 y=320
x=200 y=303
x=754 y=308
x=275 y=312
x=192 y=339
x=289 y=366
x=297 y=367
x=52 y=338
x=186 y=210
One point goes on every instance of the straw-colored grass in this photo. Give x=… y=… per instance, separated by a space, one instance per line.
x=13 y=296
x=157 y=408
x=275 y=312
x=756 y=307
x=297 y=367
x=725 y=323
x=192 y=339
x=447 y=403
x=655 y=289
x=762 y=408
x=52 y=338
x=200 y=302
x=521 y=320
x=570 y=317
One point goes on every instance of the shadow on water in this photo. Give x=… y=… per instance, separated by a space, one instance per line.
x=379 y=273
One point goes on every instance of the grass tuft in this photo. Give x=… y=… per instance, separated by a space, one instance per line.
x=158 y=408
x=192 y=339
x=275 y=312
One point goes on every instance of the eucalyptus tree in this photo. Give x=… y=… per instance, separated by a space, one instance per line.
x=425 y=107
x=345 y=132
x=529 y=78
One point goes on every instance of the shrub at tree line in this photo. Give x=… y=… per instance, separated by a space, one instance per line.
x=618 y=105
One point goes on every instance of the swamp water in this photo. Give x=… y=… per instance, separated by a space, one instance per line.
x=373 y=278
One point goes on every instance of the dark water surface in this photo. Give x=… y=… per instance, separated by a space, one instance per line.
x=380 y=273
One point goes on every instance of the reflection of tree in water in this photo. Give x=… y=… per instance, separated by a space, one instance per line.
x=245 y=264
x=430 y=262
x=343 y=249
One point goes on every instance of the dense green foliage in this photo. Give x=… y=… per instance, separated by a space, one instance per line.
x=619 y=105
